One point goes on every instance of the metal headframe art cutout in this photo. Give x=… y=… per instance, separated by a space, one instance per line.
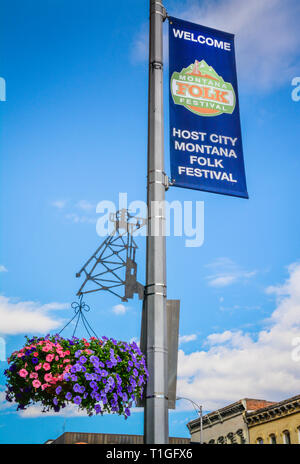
x=116 y=254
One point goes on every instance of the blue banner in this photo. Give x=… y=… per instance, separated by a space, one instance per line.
x=205 y=133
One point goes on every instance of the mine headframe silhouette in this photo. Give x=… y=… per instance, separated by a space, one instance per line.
x=113 y=266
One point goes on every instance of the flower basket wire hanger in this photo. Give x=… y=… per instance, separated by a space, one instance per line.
x=79 y=308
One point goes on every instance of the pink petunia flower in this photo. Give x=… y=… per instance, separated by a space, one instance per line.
x=38 y=367
x=48 y=377
x=34 y=375
x=36 y=383
x=49 y=357
x=23 y=373
x=46 y=366
x=46 y=348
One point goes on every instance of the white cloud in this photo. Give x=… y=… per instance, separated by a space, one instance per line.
x=237 y=365
x=267 y=36
x=187 y=338
x=59 y=204
x=85 y=205
x=226 y=272
x=120 y=309
x=71 y=214
x=71 y=410
x=80 y=219
x=222 y=281
x=27 y=316
x=5 y=406
x=140 y=48
x=3 y=268
x=36 y=410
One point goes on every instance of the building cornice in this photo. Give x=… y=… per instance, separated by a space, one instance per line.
x=273 y=412
x=218 y=416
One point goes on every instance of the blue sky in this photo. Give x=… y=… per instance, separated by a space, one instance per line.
x=73 y=133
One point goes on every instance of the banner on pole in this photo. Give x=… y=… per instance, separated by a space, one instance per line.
x=205 y=133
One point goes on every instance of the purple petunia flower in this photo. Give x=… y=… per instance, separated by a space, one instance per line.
x=93 y=384
x=58 y=390
x=98 y=408
x=82 y=359
x=69 y=396
x=77 y=399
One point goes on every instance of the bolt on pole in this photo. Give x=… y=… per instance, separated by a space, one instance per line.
x=156 y=427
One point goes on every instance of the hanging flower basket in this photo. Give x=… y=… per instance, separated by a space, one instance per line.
x=99 y=375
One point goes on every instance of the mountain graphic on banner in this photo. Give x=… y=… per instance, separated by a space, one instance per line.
x=201 y=69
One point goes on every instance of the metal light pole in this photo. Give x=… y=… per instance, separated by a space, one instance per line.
x=156 y=429
x=201 y=424
x=198 y=408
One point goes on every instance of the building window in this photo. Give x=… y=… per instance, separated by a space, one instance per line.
x=286 y=437
x=272 y=439
x=260 y=441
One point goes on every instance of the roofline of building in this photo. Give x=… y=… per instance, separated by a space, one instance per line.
x=230 y=409
x=281 y=406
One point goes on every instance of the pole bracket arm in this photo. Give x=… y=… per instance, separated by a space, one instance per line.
x=169 y=182
x=157 y=176
x=156 y=64
x=158 y=8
